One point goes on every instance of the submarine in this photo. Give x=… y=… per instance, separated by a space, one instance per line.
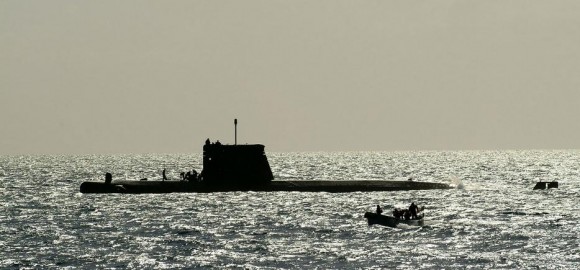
x=228 y=168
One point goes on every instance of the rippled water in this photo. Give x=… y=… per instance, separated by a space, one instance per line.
x=495 y=221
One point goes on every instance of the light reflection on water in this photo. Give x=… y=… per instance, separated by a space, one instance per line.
x=496 y=221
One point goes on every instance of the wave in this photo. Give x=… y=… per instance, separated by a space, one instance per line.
x=456 y=182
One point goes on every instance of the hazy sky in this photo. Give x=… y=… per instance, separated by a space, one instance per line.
x=162 y=76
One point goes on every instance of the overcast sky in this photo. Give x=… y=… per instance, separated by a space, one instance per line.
x=83 y=77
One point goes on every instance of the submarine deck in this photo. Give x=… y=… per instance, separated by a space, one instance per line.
x=134 y=186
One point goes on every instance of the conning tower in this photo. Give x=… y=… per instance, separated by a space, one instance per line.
x=235 y=165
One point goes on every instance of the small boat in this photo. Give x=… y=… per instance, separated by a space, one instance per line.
x=542 y=185
x=374 y=218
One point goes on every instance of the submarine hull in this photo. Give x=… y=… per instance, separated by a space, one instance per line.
x=229 y=168
x=126 y=186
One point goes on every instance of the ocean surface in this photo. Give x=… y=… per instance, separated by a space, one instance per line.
x=491 y=220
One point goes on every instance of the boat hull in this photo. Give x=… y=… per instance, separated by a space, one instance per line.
x=374 y=218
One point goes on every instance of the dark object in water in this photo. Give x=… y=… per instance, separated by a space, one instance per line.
x=246 y=168
x=542 y=185
x=374 y=218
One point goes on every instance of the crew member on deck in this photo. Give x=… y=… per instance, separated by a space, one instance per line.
x=164 y=176
x=379 y=210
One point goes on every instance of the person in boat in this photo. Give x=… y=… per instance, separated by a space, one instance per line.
x=218 y=142
x=164 y=176
x=398 y=214
x=407 y=214
x=379 y=210
x=207 y=142
x=413 y=209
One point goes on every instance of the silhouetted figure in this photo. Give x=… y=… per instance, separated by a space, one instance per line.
x=207 y=142
x=164 y=176
x=413 y=210
x=407 y=215
x=397 y=213
x=183 y=175
x=218 y=142
x=193 y=176
x=108 y=178
x=379 y=210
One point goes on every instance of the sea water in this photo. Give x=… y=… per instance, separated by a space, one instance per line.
x=492 y=219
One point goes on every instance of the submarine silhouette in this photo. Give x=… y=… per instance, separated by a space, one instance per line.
x=244 y=168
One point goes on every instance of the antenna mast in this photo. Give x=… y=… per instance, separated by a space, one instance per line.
x=236 y=131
